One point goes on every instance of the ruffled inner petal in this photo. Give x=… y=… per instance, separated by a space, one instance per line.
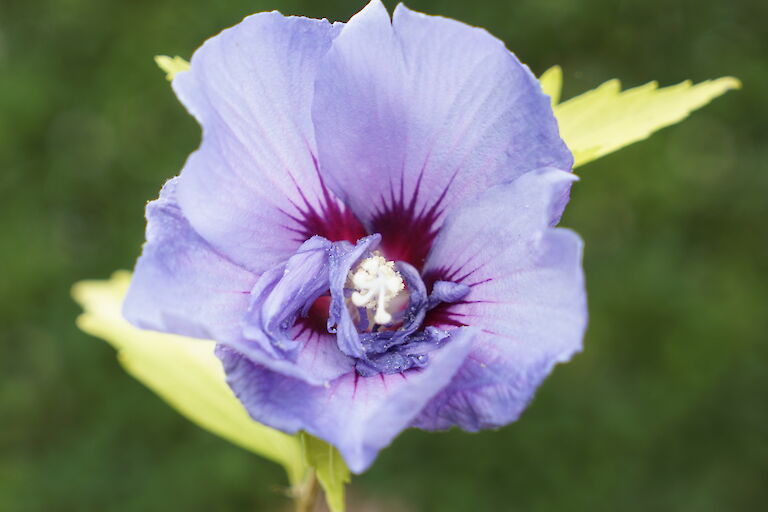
x=278 y=317
x=381 y=349
x=296 y=307
x=343 y=258
x=282 y=295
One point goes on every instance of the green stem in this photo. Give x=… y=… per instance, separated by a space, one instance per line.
x=307 y=493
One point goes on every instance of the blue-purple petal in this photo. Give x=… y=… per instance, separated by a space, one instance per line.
x=252 y=189
x=277 y=322
x=416 y=115
x=181 y=284
x=527 y=299
x=358 y=415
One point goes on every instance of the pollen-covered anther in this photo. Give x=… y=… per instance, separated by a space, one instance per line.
x=376 y=283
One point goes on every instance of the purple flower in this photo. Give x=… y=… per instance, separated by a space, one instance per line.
x=367 y=227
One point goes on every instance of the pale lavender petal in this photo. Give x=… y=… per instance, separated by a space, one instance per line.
x=358 y=415
x=527 y=298
x=418 y=115
x=316 y=359
x=181 y=284
x=252 y=189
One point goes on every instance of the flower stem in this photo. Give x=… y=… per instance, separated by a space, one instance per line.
x=306 y=495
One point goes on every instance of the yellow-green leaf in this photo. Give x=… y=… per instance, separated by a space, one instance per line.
x=171 y=65
x=605 y=119
x=552 y=83
x=331 y=470
x=184 y=372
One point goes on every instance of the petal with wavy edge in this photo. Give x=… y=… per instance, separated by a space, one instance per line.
x=252 y=189
x=358 y=415
x=527 y=298
x=277 y=320
x=181 y=284
x=416 y=115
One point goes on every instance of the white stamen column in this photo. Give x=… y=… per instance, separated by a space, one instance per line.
x=376 y=283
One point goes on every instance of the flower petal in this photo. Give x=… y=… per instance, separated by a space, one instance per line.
x=252 y=189
x=284 y=294
x=358 y=415
x=181 y=285
x=527 y=298
x=416 y=115
x=277 y=322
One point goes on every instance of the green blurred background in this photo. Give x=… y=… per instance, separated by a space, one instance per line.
x=666 y=408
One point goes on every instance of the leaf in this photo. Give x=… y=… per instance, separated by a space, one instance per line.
x=332 y=471
x=605 y=119
x=552 y=83
x=171 y=65
x=184 y=372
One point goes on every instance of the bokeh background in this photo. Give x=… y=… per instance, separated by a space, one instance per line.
x=665 y=409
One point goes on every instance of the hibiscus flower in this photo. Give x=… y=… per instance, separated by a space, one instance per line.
x=367 y=229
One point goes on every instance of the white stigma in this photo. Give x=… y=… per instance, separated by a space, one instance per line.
x=376 y=283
